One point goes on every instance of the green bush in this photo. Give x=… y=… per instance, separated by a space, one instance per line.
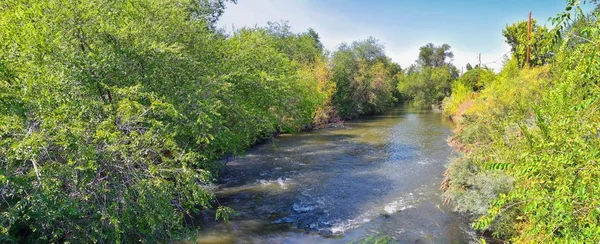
x=460 y=94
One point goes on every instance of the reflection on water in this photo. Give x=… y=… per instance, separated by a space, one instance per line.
x=375 y=176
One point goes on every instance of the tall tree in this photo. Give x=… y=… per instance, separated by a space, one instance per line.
x=434 y=56
x=429 y=80
x=317 y=40
x=469 y=67
x=540 y=44
x=109 y=134
x=364 y=78
x=209 y=10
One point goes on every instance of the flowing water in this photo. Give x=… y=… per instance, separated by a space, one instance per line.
x=375 y=176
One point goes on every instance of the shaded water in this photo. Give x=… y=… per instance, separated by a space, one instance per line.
x=375 y=176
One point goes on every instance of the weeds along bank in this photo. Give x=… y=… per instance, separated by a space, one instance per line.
x=113 y=112
x=530 y=171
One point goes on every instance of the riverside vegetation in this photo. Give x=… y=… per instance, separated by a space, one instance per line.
x=531 y=136
x=113 y=115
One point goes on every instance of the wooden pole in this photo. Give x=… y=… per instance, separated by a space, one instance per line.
x=528 y=39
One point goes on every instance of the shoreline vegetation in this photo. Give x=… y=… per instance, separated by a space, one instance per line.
x=113 y=114
x=528 y=172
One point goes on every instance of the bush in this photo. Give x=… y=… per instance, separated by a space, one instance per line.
x=460 y=94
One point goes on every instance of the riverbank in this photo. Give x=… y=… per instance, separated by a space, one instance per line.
x=525 y=139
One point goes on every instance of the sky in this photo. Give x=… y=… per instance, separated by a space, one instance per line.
x=469 y=26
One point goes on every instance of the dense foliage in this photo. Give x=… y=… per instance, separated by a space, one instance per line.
x=477 y=78
x=365 y=78
x=429 y=81
x=539 y=45
x=530 y=170
x=471 y=81
x=112 y=113
x=427 y=86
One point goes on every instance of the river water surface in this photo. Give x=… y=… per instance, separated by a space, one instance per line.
x=375 y=176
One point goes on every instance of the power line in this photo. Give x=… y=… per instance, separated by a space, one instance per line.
x=500 y=58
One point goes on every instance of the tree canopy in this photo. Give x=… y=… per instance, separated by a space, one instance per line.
x=435 y=56
x=540 y=44
x=428 y=81
x=365 y=78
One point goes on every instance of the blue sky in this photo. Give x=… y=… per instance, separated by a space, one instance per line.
x=469 y=26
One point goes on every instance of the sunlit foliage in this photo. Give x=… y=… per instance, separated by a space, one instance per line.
x=428 y=82
x=365 y=78
x=530 y=170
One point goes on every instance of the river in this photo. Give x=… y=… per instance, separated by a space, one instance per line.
x=376 y=176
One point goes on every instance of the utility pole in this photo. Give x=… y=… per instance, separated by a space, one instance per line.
x=479 y=60
x=528 y=39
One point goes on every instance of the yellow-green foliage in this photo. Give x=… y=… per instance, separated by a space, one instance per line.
x=112 y=113
x=325 y=112
x=511 y=95
x=460 y=94
x=487 y=121
x=530 y=172
x=466 y=88
x=365 y=78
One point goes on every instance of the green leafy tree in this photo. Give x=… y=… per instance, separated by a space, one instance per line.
x=540 y=44
x=364 y=78
x=208 y=10
x=304 y=48
x=428 y=81
x=434 y=56
x=428 y=86
x=477 y=78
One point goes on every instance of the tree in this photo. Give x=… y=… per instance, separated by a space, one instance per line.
x=364 y=78
x=477 y=78
x=540 y=45
x=110 y=134
x=469 y=67
x=434 y=56
x=208 y=10
x=317 y=40
x=304 y=47
x=429 y=80
x=428 y=86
